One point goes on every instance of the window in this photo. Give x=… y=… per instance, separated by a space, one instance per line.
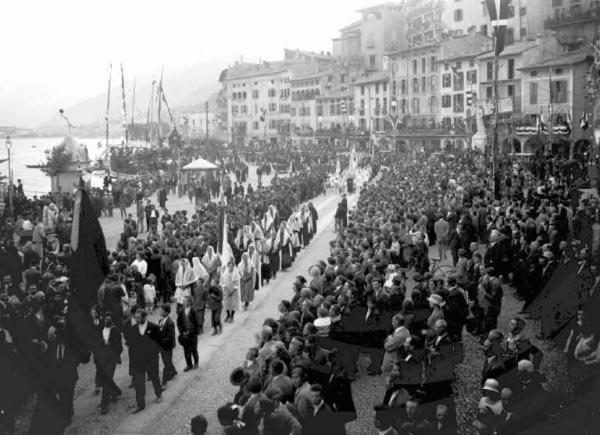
x=394 y=87
x=320 y=110
x=458 y=15
x=332 y=109
x=458 y=65
x=433 y=104
x=447 y=81
x=489 y=93
x=471 y=63
x=415 y=106
x=234 y=110
x=376 y=88
x=446 y=101
x=510 y=90
x=490 y=71
x=372 y=61
x=446 y=66
x=432 y=64
x=472 y=77
x=415 y=66
x=343 y=78
x=523 y=11
x=459 y=81
x=523 y=32
x=403 y=87
x=557 y=3
x=362 y=90
x=423 y=84
x=459 y=103
x=509 y=39
x=255 y=93
x=423 y=65
x=293 y=111
x=243 y=108
x=403 y=105
x=255 y=125
x=533 y=93
x=483 y=28
x=234 y=96
x=272 y=93
x=384 y=87
x=511 y=69
x=434 y=83
x=384 y=106
x=558 y=91
x=415 y=85
x=307 y=111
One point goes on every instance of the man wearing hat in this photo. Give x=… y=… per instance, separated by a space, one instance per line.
x=239 y=378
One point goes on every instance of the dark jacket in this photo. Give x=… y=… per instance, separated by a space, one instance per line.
x=167 y=334
x=144 y=349
x=187 y=329
x=111 y=352
x=215 y=298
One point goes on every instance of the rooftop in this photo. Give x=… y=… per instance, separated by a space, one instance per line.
x=355 y=25
x=563 y=59
x=378 y=76
x=511 y=50
x=378 y=8
x=466 y=46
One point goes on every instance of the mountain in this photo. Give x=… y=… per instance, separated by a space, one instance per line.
x=188 y=89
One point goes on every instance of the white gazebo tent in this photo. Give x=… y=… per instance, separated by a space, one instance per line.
x=197 y=169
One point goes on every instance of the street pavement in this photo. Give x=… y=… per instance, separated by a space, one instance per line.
x=205 y=389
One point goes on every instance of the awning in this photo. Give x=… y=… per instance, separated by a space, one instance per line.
x=199 y=165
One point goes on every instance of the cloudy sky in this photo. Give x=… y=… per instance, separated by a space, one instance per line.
x=57 y=52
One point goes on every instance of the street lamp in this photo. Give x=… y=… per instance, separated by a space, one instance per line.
x=8 y=145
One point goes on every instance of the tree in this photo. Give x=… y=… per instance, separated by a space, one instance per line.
x=57 y=160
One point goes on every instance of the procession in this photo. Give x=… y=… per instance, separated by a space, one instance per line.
x=398 y=236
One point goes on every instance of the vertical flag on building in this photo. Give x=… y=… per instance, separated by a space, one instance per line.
x=498 y=11
x=584 y=121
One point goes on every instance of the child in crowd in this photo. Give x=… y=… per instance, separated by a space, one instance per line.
x=150 y=293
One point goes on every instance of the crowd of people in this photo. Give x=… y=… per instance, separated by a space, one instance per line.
x=374 y=294
x=362 y=299
x=164 y=271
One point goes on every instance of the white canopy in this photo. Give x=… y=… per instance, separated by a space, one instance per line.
x=199 y=165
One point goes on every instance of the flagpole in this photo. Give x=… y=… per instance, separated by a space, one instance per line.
x=495 y=130
x=108 y=105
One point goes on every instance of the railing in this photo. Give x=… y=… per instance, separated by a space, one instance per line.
x=589 y=14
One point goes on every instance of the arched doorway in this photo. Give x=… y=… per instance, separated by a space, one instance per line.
x=459 y=145
x=560 y=147
x=533 y=145
x=511 y=146
x=581 y=149
x=447 y=146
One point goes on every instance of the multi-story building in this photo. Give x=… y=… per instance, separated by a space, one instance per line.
x=576 y=21
x=379 y=30
x=371 y=99
x=303 y=106
x=197 y=125
x=259 y=95
x=553 y=86
x=459 y=79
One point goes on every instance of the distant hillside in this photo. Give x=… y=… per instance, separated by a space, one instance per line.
x=188 y=89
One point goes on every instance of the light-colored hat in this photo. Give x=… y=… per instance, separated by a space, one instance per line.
x=549 y=255
x=436 y=299
x=525 y=365
x=491 y=385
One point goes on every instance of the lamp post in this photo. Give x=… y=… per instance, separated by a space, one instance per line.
x=8 y=145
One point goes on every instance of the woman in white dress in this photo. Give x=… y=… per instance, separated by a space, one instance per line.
x=183 y=281
x=230 y=281
x=247 y=278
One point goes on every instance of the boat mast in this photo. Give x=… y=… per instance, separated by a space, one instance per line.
x=106 y=117
x=159 y=104
x=150 y=113
x=124 y=110
x=132 y=105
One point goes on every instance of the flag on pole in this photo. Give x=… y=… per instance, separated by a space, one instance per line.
x=124 y=109
x=584 y=122
x=498 y=11
x=89 y=263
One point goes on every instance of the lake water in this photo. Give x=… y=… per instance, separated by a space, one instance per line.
x=31 y=151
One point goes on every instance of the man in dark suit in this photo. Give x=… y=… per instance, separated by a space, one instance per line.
x=144 y=347
x=199 y=300
x=107 y=357
x=323 y=421
x=280 y=381
x=187 y=323
x=251 y=412
x=167 y=342
x=62 y=362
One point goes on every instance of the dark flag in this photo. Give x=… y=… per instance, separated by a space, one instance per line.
x=557 y=303
x=498 y=11
x=88 y=266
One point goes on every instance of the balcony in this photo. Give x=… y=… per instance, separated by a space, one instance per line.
x=573 y=18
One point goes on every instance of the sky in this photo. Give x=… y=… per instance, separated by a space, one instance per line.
x=57 y=52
